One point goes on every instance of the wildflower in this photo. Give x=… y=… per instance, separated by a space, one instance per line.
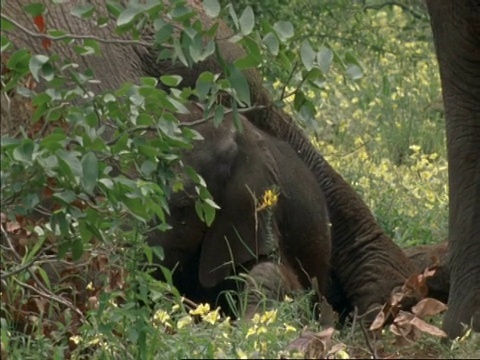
x=76 y=339
x=269 y=317
x=270 y=198
x=261 y=330
x=184 y=321
x=251 y=331
x=162 y=317
x=212 y=316
x=241 y=354
x=260 y=346
x=415 y=148
x=289 y=328
x=90 y=286
x=201 y=309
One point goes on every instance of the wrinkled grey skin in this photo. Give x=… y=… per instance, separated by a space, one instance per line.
x=367 y=264
x=238 y=167
x=456 y=30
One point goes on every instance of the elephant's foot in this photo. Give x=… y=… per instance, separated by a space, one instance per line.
x=435 y=255
x=268 y=281
x=463 y=310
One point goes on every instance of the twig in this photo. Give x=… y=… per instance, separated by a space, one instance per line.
x=7 y=237
x=5 y=275
x=76 y=37
x=51 y=297
x=282 y=96
x=373 y=349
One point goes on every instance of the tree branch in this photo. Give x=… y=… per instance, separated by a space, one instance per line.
x=76 y=37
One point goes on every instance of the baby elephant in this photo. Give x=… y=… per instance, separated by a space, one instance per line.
x=283 y=242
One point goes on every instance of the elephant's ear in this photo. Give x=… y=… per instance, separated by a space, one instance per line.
x=233 y=240
x=229 y=243
x=214 y=157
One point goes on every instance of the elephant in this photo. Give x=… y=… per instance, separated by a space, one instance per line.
x=282 y=248
x=366 y=264
x=456 y=33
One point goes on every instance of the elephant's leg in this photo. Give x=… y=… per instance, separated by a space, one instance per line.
x=456 y=31
x=269 y=281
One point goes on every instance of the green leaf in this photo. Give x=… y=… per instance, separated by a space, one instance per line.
x=351 y=59
x=90 y=172
x=307 y=54
x=114 y=8
x=24 y=152
x=211 y=7
x=136 y=207
x=204 y=84
x=54 y=141
x=240 y=84
x=70 y=163
x=85 y=234
x=233 y=15
x=199 y=210
x=218 y=117
x=19 y=60
x=246 y=62
x=66 y=196
x=44 y=276
x=271 y=42
x=128 y=15
x=325 y=59
x=171 y=80
x=284 y=30
x=163 y=34
x=77 y=249
x=179 y=52
x=83 y=11
x=211 y=203
x=34 y=9
x=354 y=72
x=247 y=21
x=209 y=212
x=299 y=100
x=36 y=64
x=6 y=25
x=158 y=251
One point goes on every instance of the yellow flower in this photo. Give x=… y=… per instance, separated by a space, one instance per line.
x=289 y=328
x=261 y=330
x=162 y=317
x=184 y=321
x=76 y=339
x=241 y=354
x=251 y=331
x=415 y=148
x=256 y=318
x=201 y=309
x=269 y=317
x=270 y=198
x=212 y=316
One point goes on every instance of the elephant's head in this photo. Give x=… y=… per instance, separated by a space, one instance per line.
x=230 y=240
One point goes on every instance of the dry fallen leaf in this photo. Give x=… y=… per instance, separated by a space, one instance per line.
x=428 y=307
x=313 y=345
